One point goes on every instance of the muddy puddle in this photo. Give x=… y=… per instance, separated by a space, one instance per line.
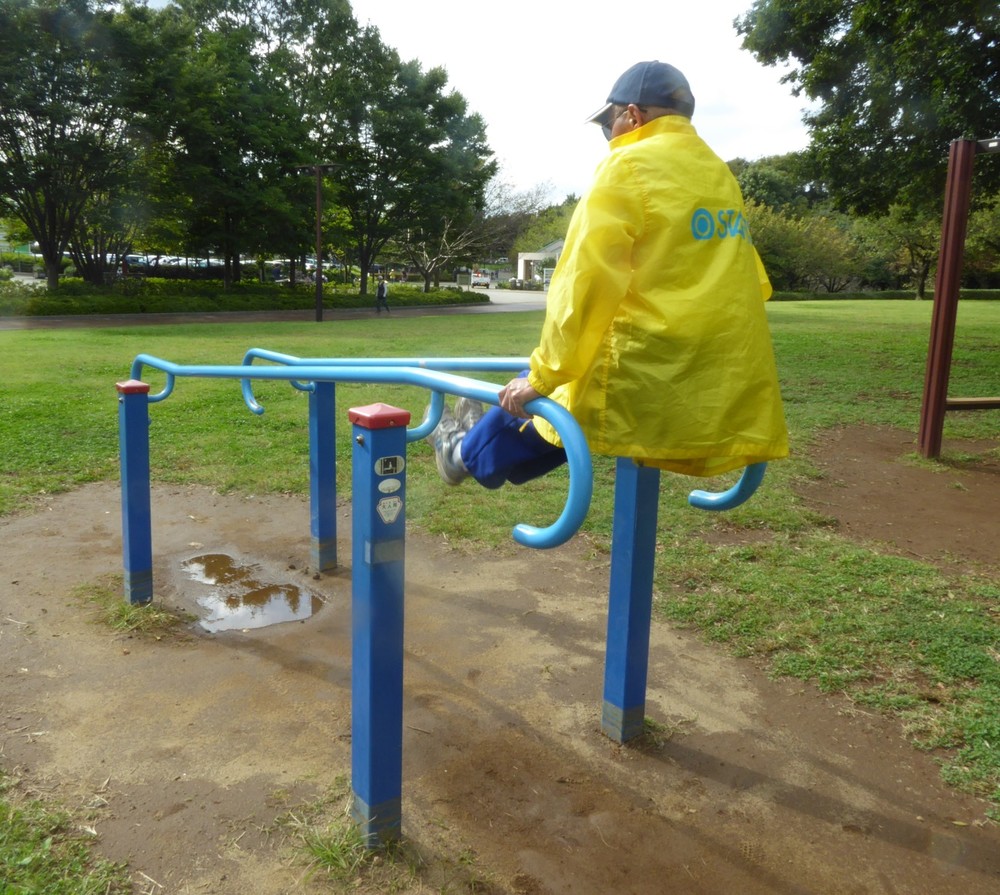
x=235 y=595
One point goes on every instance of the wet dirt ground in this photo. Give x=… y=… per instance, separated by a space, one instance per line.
x=182 y=752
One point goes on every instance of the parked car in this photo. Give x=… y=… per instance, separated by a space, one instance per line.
x=481 y=278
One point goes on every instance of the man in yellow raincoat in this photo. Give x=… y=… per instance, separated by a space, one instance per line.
x=655 y=336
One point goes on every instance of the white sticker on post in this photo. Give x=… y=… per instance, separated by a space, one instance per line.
x=389 y=508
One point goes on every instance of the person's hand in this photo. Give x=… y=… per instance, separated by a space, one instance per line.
x=515 y=394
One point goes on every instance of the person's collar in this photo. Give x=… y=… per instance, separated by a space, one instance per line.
x=665 y=124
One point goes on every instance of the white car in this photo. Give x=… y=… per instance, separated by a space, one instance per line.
x=481 y=278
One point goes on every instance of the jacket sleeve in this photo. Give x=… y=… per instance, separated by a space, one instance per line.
x=591 y=278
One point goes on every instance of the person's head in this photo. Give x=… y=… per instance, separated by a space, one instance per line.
x=646 y=91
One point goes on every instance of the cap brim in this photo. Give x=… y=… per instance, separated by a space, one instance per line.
x=601 y=115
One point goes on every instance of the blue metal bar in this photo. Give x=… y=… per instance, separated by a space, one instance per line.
x=443 y=364
x=577 y=452
x=323 y=476
x=133 y=447
x=377 y=554
x=630 y=599
x=740 y=493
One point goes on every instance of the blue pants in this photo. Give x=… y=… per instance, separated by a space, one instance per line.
x=503 y=448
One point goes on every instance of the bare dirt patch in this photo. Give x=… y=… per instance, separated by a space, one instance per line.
x=182 y=752
x=946 y=513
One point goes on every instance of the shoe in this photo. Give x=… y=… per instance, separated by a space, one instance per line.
x=447 y=420
x=446 y=440
x=469 y=412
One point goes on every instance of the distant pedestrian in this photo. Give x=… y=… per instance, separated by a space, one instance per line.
x=381 y=296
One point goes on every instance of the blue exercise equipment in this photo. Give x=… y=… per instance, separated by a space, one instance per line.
x=379 y=437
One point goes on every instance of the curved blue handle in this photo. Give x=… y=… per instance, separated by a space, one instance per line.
x=741 y=492
x=154 y=362
x=581 y=479
x=416 y=433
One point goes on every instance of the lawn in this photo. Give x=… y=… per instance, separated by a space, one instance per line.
x=801 y=599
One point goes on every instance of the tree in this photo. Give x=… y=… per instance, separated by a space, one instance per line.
x=508 y=213
x=814 y=250
x=237 y=139
x=783 y=182
x=893 y=83
x=982 y=245
x=898 y=249
x=64 y=121
x=547 y=227
x=916 y=239
x=411 y=157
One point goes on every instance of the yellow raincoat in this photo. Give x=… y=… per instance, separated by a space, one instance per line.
x=655 y=336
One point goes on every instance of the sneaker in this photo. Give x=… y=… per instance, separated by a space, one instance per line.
x=469 y=412
x=446 y=440
x=447 y=421
x=448 y=457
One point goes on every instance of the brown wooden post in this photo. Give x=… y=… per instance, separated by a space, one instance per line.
x=954 y=222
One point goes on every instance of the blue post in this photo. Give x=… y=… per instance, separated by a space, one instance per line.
x=323 y=475
x=377 y=551
x=630 y=603
x=133 y=448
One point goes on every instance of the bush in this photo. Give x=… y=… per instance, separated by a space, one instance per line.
x=885 y=295
x=15 y=296
x=156 y=295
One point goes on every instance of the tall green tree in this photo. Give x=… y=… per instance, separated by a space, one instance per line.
x=450 y=204
x=237 y=138
x=410 y=155
x=65 y=121
x=892 y=83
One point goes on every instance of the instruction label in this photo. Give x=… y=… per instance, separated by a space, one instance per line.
x=388 y=509
x=389 y=465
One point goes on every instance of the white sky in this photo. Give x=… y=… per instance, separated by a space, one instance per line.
x=535 y=70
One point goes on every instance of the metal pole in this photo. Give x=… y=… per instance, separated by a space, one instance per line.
x=318 y=169
x=319 y=243
x=137 y=536
x=377 y=555
x=630 y=599
x=323 y=475
x=949 y=275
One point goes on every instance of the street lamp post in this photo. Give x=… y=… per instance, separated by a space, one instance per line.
x=319 y=169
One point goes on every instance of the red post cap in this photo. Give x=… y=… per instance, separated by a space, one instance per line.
x=132 y=387
x=378 y=416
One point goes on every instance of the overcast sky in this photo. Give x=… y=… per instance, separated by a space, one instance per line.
x=535 y=70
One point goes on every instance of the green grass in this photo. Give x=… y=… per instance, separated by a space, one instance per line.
x=104 y=599
x=43 y=853
x=894 y=635
x=329 y=843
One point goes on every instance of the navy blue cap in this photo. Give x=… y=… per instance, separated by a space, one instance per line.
x=649 y=84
